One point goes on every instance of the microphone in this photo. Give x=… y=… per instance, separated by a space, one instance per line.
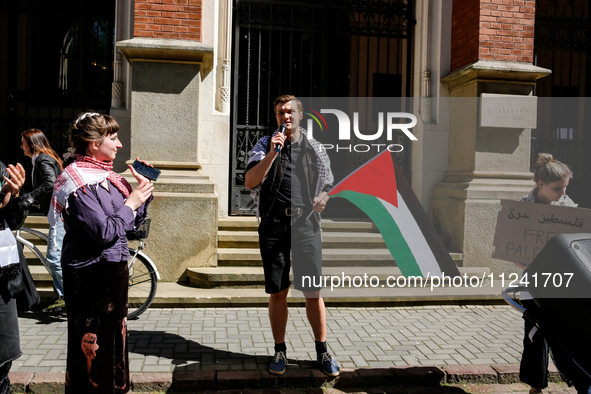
x=282 y=129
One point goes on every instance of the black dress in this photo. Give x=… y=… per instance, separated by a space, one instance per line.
x=13 y=215
x=96 y=297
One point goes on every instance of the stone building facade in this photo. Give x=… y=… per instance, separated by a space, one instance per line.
x=177 y=94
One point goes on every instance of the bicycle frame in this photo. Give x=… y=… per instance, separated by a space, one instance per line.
x=135 y=252
x=145 y=262
x=30 y=245
x=34 y=249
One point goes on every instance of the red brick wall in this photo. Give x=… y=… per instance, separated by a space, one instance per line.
x=500 y=30
x=464 y=32
x=178 y=19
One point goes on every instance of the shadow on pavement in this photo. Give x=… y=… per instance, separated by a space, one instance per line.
x=417 y=390
x=44 y=317
x=188 y=354
x=243 y=370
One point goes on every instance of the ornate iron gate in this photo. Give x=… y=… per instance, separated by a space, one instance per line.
x=57 y=56
x=311 y=48
x=562 y=32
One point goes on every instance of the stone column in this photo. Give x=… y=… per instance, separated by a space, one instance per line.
x=489 y=159
x=225 y=50
x=120 y=90
x=117 y=93
x=165 y=123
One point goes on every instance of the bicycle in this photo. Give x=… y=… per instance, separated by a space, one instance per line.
x=143 y=273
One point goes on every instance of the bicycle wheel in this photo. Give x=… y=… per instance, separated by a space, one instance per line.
x=142 y=286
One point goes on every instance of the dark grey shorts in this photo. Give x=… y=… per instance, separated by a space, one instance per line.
x=277 y=238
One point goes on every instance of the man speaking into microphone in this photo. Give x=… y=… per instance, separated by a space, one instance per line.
x=289 y=176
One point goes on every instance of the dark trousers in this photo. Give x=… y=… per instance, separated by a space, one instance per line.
x=533 y=369
x=4 y=381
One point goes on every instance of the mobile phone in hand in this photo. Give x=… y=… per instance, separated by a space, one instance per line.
x=146 y=170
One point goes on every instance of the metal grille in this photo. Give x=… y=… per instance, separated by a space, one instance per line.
x=311 y=48
x=58 y=56
x=562 y=25
x=562 y=32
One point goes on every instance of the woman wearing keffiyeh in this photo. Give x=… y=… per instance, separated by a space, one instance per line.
x=97 y=206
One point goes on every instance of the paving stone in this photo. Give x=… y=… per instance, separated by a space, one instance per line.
x=227 y=339
x=193 y=380
x=20 y=380
x=320 y=379
x=347 y=378
x=507 y=373
x=293 y=377
x=151 y=381
x=423 y=375
x=47 y=383
x=231 y=380
x=376 y=376
x=470 y=374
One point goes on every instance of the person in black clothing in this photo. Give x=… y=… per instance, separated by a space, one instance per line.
x=290 y=187
x=47 y=166
x=552 y=178
x=13 y=212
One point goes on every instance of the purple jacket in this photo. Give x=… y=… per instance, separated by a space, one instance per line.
x=96 y=221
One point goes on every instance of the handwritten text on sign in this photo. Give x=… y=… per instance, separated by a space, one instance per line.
x=523 y=228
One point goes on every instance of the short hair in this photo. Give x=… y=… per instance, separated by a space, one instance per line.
x=284 y=99
x=549 y=170
x=90 y=127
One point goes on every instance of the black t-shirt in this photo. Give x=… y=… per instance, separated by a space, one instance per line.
x=290 y=191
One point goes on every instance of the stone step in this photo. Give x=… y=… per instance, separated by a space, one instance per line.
x=239 y=279
x=186 y=185
x=180 y=173
x=170 y=295
x=250 y=223
x=41 y=276
x=253 y=277
x=33 y=238
x=330 y=257
x=36 y=221
x=330 y=239
x=176 y=295
x=240 y=257
x=238 y=223
x=31 y=257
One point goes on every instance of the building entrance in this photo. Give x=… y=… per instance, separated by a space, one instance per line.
x=562 y=33
x=311 y=48
x=57 y=58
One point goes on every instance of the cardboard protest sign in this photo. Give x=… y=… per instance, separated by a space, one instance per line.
x=523 y=228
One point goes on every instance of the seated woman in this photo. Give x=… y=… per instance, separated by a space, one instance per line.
x=551 y=178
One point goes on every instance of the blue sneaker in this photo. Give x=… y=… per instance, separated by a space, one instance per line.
x=277 y=366
x=328 y=364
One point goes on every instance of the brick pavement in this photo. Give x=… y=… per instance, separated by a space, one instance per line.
x=226 y=339
x=228 y=348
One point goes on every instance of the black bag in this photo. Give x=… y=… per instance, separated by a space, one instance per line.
x=27 y=297
x=141 y=233
x=15 y=284
x=559 y=281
